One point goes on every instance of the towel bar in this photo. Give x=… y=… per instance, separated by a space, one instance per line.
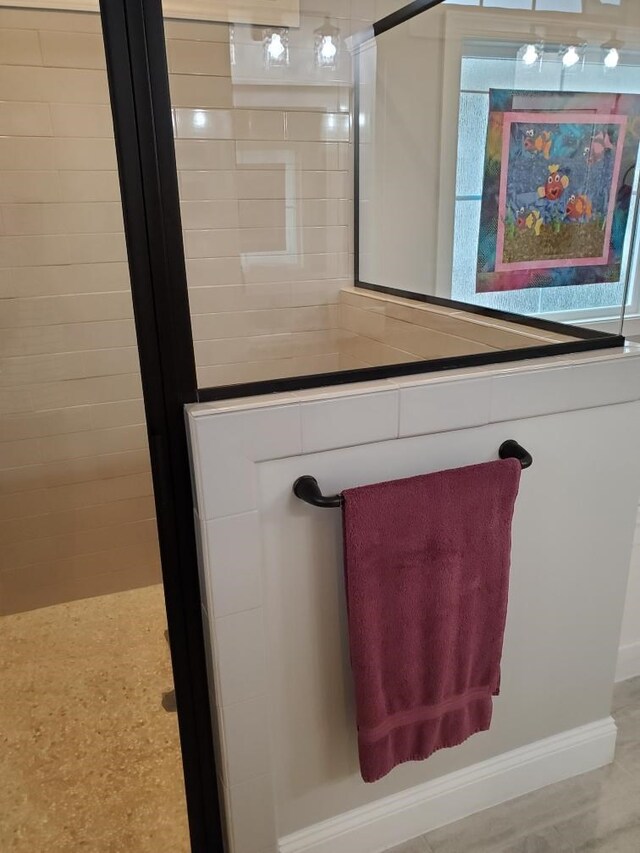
x=307 y=489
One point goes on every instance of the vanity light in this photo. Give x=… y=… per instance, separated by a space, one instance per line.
x=612 y=58
x=326 y=45
x=531 y=55
x=571 y=56
x=611 y=50
x=276 y=47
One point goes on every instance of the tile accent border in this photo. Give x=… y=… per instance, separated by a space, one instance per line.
x=229 y=439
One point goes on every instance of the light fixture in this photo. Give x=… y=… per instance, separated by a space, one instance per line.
x=611 y=53
x=326 y=45
x=612 y=58
x=275 y=44
x=571 y=55
x=531 y=54
x=199 y=118
x=232 y=44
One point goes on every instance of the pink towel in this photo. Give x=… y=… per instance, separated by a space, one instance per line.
x=427 y=575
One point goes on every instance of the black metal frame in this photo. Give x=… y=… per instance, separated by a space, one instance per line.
x=138 y=80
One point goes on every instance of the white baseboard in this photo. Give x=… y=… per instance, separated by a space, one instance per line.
x=628 y=662
x=401 y=817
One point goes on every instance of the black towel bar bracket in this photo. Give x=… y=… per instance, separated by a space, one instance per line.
x=307 y=489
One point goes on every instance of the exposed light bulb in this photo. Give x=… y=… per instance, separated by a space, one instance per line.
x=612 y=58
x=328 y=49
x=199 y=118
x=570 y=56
x=531 y=55
x=276 y=48
x=326 y=45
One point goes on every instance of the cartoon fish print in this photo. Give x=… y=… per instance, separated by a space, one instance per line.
x=521 y=219
x=529 y=220
x=535 y=221
x=595 y=151
x=555 y=185
x=579 y=207
x=565 y=146
x=540 y=144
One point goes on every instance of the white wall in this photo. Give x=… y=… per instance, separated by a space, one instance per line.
x=629 y=655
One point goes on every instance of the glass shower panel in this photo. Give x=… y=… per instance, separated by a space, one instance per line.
x=459 y=107
x=262 y=133
x=90 y=758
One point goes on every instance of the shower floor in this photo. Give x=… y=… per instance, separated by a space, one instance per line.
x=89 y=759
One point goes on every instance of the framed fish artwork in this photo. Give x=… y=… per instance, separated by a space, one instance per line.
x=557 y=192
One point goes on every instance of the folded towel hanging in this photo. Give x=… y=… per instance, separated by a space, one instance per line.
x=426 y=562
x=307 y=489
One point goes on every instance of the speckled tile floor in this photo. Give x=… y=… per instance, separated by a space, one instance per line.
x=598 y=812
x=89 y=759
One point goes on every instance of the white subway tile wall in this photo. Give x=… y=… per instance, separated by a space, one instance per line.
x=76 y=504
x=264 y=164
x=266 y=192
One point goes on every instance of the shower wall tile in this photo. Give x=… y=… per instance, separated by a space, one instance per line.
x=82 y=22
x=332 y=127
x=88 y=186
x=69 y=218
x=207 y=185
x=234 y=573
x=20 y=47
x=349 y=420
x=55 y=281
x=81 y=120
x=76 y=508
x=77 y=86
x=196 y=31
x=266 y=205
x=203 y=124
x=26 y=119
x=191 y=90
x=72 y=50
x=266 y=125
x=198 y=57
x=29 y=186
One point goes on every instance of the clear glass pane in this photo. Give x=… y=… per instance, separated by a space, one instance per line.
x=90 y=757
x=267 y=114
x=441 y=91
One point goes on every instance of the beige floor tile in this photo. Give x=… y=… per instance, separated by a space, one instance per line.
x=542 y=841
x=627 y=695
x=602 y=825
x=532 y=816
x=598 y=811
x=419 y=845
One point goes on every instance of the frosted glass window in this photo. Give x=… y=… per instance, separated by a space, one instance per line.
x=508 y=4
x=558 y=5
x=474 y=114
